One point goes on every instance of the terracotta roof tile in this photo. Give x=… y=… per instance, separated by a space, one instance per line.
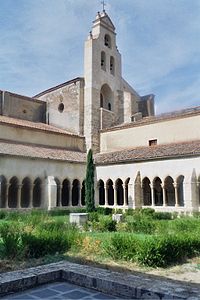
x=33 y=125
x=150 y=153
x=33 y=151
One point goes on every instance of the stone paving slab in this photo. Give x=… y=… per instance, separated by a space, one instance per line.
x=60 y=290
x=131 y=286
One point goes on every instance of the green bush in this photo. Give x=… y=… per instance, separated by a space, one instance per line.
x=122 y=246
x=93 y=216
x=162 y=216
x=59 y=212
x=104 y=210
x=141 y=224
x=10 y=233
x=48 y=242
x=105 y=223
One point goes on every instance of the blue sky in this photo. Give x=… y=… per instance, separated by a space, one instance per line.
x=42 y=43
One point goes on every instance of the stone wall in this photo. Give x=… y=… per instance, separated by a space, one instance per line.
x=65 y=105
x=107 y=118
x=41 y=137
x=21 y=107
x=163 y=131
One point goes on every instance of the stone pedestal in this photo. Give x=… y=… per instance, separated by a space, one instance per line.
x=78 y=218
x=117 y=217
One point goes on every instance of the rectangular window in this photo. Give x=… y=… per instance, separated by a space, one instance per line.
x=152 y=142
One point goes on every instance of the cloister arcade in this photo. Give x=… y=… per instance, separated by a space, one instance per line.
x=155 y=193
x=28 y=193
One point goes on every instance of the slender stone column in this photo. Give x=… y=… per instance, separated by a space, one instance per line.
x=115 y=196
x=152 y=195
x=31 y=195
x=176 y=194
x=6 y=194
x=106 y=196
x=70 y=195
x=164 y=195
x=19 y=192
x=59 y=194
x=124 y=190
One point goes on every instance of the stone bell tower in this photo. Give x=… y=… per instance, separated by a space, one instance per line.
x=103 y=81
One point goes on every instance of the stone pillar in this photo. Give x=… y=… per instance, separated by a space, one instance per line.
x=115 y=196
x=176 y=194
x=164 y=195
x=70 y=194
x=19 y=191
x=152 y=195
x=31 y=195
x=59 y=195
x=6 y=194
x=124 y=190
x=106 y=196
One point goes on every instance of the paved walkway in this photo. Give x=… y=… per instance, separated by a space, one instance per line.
x=60 y=290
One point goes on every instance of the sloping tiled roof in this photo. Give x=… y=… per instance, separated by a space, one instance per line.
x=150 y=153
x=35 y=151
x=33 y=125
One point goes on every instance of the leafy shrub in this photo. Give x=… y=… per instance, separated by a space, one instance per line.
x=117 y=211
x=59 y=212
x=162 y=216
x=141 y=224
x=105 y=223
x=45 y=242
x=104 y=210
x=10 y=233
x=122 y=227
x=122 y=246
x=3 y=214
x=93 y=216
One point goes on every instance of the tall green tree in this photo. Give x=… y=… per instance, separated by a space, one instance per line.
x=89 y=183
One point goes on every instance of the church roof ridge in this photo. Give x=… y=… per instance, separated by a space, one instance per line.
x=58 y=86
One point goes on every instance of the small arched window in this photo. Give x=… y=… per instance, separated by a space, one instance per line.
x=107 y=41
x=112 y=65
x=103 y=61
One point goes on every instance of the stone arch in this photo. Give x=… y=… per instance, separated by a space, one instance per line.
x=110 y=192
x=169 y=191
x=26 y=192
x=158 y=191
x=107 y=40
x=119 y=191
x=13 y=192
x=75 y=192
x=106 y=97
x=126 y=190
x=3 y=184
x=103 y=60
x=37 y=192
x=146 y=191
x=83 y=193
x=112 y=65
x=180 y=191
x=65 y=194
x=101 y=192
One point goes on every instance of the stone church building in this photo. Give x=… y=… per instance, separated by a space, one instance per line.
x=141 y=160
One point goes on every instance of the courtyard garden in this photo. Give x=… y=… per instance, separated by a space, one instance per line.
x=143 y=237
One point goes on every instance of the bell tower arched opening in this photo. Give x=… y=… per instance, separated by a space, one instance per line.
x=106 y=97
